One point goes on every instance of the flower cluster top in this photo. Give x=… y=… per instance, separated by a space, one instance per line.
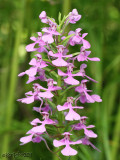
x=54 y=67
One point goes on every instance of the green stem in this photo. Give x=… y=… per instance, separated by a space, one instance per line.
x=60 y=116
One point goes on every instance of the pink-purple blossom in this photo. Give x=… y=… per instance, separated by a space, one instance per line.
x=41 y=44
x=36 y=64
x=60 y=62
x=71 y=115
x=84 y=96
x=81 y=125
x=77 y=38
x=74 y=16
x=46 y=120
x=85 y=141
x=60 y=84
x=67 y=151
x=83 y=56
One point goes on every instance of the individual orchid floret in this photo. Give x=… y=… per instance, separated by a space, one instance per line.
x=41 y=44
x=36 y=95
x=51 y=87
x=69 y=80
x=32 y=96
x=36 y=65
x=75 y=39
x=34 y=137
x=84 y=96
x=83 y=74
x=59 y=61
x=49 y=33
x=43 y=17
x=47 y=108
x=41 y=76
x=78 y=39
x=67 y=151
x=83 y=56
x=85 y=141
x=71 y=115
x=74 y=16
x=42 y=128
x=81 y=125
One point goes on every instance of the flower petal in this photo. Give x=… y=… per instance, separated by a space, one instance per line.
x=68 y=151
x=71 y=80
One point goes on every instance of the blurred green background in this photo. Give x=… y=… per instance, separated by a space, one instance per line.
x=19 y=19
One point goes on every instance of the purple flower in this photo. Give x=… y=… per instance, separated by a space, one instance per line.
x=41 y=76
x=48 y=90
x=37 y=94
x=71 y=115
x=84 y=96
x=81 y=125
x=67 y=151
x=49 y=32
x=42 y=128
x=78 y=39
x=74 y=16
x=43 y=17
x=47 y=108
x=37 y=64
x=59 y=61
x=69 y=80
x=83 y=56
x=82 y=72
x=34 y=137
x=85 y=141
x=39 y=41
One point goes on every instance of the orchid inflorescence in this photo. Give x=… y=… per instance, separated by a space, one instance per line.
x=54 y=67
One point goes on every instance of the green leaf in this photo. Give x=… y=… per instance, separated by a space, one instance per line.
x=59 y=17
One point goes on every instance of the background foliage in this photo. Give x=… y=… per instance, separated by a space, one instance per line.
x=18 y=21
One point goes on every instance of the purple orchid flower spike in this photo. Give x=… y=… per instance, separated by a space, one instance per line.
x=83 y=56
x=85 y=141
x=39 y=41
x=69 y=80
x=49 y=32
x=43 y=17
x=74 y=16
x=67 y=151
x=42 y=128
x=71 y=115
x=81 y=125
x=55 y=42
x=84 y=96
x=59 y=61
x=36 y=65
